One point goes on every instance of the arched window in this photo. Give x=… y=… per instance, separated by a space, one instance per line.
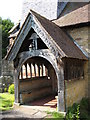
x=41 y=71
x=24 y=71
x=28 y=71
x=44 y=71
x=37 y=70
x=33 y=70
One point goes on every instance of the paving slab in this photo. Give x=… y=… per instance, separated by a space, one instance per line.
x=40 y=114
x=23 y=114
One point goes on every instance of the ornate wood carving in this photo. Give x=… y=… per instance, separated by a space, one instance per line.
x=45 y=53
x=57 y=65
x=46 y=38
x=52 y=55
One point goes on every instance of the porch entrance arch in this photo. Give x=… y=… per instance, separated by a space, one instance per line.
x=37 y=80
x=42 y=63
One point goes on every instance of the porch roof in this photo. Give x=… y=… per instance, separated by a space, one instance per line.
x=60 y=38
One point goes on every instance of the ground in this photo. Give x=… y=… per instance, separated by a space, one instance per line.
x=41 y=109
x=29 y=114
x=37 y=109
x=17 y=114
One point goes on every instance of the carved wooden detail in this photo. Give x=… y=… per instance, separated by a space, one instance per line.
x=57 y=65
x=46 y=38
x=45 y=53
x=52 y=55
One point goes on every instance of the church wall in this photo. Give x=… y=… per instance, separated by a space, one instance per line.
x=75 y=91
x=80 y=35
x=45 y=8
x=76 y=83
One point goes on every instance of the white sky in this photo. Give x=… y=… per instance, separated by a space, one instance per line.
x=11 y=9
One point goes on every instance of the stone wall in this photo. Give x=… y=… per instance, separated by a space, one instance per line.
x=46 y=8
x=32 y=89
x=7 y=68
x=5 y=82
x=80 y=35
x=7 y=74
x=75 y=91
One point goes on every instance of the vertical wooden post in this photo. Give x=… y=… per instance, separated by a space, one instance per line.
x=21 y=73
x=35 y=70
x=35 y=39
x=53 y=80
x=30 y=70
x=60 y=74
x=51 y=75
x=42 y=69
x=26 y=70
x=39 y=69
x=16 y=84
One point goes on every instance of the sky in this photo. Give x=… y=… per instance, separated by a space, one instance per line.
x=11 y=9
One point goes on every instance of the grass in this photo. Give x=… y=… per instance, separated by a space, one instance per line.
x=6 y=101
x=55 y=115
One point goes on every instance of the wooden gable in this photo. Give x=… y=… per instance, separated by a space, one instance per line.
x=58 y=42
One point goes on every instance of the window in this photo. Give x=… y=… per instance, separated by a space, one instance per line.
x=24 y=71
x=73 y=69
x=28 y=71
x=33 y=70
x=37 y=70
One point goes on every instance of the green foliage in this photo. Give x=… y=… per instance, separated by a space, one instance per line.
x=6 y=101
x=73 y=112
x=11 y=89
x=5 y=25
x=56 y=115
x=84 y=103
x=84 y=109
x=5 y=89
x=79 y=111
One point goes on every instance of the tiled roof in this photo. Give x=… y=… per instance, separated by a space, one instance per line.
x=60 y=37
x=80 y=15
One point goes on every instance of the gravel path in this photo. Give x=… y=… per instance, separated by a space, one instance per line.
x=19 y=115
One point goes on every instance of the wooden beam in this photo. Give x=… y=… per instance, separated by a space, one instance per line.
x=21 y=73
x=60 y=78
x=30 y=70
x=16 y=84
x=26 y=70
x=34 y=70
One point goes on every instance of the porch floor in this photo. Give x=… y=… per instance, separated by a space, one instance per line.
x=49 y=101
x=44 y=104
